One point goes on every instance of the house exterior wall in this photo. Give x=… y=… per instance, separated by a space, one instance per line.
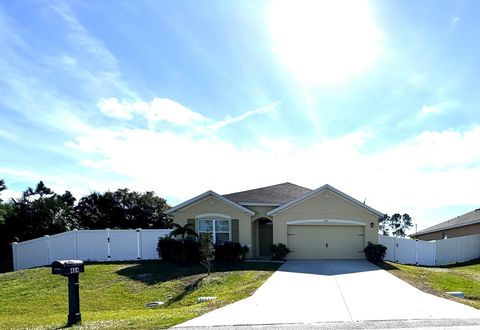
x=451 y=233
x=325 y=205
x=211 y=204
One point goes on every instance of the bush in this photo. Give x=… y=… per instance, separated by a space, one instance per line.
x=172 y=250
x=230 y=251
x=279 y=251
x=207 y=251
x=375 y=252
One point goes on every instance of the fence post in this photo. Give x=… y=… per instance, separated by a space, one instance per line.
x=395 y=249
x=107 y=231
x=75 y=232
x=416 y=252
x=139 y=243
x=47 y=245
x=14 y=254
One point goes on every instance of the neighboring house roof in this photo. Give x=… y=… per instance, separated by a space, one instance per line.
x=317 y=191
x=269 y=196
x=466 y=219
x=209 y=193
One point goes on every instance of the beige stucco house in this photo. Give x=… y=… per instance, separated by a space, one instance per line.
x=324 y=223
x=462 y=225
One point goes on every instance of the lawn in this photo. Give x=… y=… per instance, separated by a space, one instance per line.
x=114 y=295
x=438 y=280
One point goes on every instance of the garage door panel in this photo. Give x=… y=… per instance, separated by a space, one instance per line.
x=326 y=242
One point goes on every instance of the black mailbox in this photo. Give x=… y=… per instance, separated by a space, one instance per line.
x=67 y=267
x=71 y=269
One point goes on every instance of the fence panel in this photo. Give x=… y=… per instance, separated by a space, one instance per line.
x=63 y=246
x=149 y=240
x=92 y=245
x=32 y=253
x=425 y=253
x=446 y=251
x=123 y=245
x=389 y=242
x=406 y=250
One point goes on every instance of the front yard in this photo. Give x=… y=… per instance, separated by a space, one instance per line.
x=438 y=280
x=114 y=295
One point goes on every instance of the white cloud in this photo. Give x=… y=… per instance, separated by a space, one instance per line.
x=158 y=110
x=163 y=109
x=440 y=108
x=112 y=107
x=433 y=169
x=232 y=120
x=167 y=110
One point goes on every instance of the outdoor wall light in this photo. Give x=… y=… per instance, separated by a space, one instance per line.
x=372 y=224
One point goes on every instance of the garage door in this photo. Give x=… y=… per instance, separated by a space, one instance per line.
x=326 y=242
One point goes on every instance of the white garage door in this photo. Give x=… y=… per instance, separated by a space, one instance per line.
x=326 y=242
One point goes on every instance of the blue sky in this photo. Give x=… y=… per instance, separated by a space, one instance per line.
x=379 y=99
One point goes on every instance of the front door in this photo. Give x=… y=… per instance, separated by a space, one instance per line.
x=265 y=237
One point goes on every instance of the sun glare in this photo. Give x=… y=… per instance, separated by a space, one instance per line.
x=324 y=41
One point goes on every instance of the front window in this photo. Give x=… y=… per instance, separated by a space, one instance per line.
x=218 y=228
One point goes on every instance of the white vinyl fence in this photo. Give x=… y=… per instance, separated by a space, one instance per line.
x=89 y=245
x=431 y=253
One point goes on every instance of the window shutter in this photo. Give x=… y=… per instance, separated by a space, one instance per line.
x=235 y=235
x=191 y=222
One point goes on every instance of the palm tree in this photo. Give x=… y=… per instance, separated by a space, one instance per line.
x=183 y=231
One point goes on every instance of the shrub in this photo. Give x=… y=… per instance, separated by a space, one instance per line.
x=172 y=250
x=279 y=251
x=207 y=251
x=230 y=251
x=375 y=252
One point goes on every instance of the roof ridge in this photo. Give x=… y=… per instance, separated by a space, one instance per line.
x=273 y=185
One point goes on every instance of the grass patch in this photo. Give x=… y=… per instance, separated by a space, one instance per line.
x=438 y=280
x=114 y=295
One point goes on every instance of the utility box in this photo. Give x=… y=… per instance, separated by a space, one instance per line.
x=71 y=269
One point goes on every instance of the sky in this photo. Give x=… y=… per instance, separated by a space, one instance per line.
x=379 y=99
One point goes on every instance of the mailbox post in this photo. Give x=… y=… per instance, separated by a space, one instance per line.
x=71 y=269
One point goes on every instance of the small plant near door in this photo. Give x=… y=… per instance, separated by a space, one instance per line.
x=279 y=251
x=375 y=252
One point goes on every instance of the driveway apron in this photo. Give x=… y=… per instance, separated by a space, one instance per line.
x=311 y=291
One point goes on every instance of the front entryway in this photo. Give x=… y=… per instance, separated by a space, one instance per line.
x=265 y=237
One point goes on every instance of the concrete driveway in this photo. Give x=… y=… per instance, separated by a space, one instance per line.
x=312 y=291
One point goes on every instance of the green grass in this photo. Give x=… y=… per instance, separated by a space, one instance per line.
x=438 y=280
x=114 y=295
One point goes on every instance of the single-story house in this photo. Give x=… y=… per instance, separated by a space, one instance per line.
x=462 y=225
x=324 y=223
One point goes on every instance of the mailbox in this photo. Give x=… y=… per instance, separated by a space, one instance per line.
x=71 y=269
x=67 y=267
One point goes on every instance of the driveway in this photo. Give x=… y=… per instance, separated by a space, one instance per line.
x=312 y=291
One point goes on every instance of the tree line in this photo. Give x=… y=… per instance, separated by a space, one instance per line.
x=41 y=211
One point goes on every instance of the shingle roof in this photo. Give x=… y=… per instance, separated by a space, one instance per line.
x=276 y=194
x=466 y=219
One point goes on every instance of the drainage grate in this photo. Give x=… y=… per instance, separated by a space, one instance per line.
x=457 y=294
x=154 y=304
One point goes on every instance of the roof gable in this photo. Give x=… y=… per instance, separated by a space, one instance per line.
x=204 y=195
x=271 y=195
x=312 y=193
x=466 y=219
